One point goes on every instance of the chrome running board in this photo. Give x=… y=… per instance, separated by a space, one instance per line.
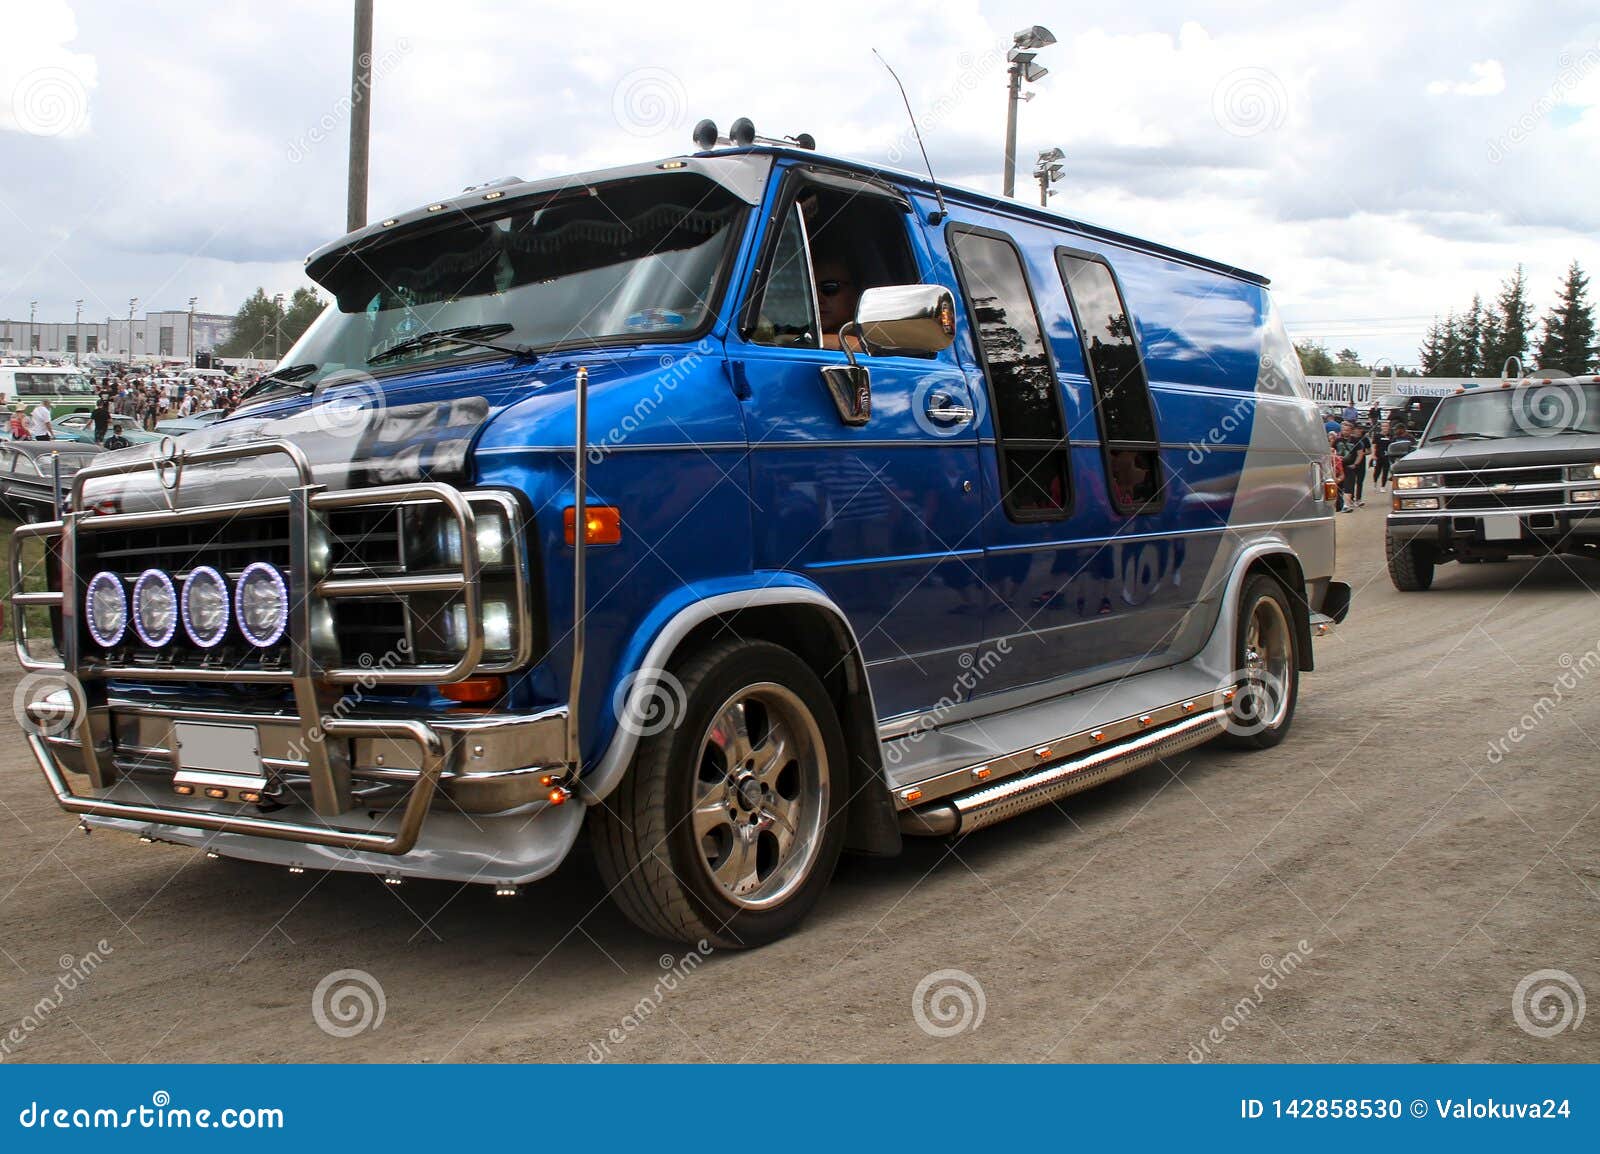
x=988 y=804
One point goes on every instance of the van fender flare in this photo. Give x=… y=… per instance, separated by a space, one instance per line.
x=1216 y=657
x=607 y=771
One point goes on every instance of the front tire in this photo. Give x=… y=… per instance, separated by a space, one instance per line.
x=1268 y=663
x=729 y=823
x=1411 y=565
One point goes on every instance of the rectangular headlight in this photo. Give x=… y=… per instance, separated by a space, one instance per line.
x=1419 y=503
x=1583 y=473
x=1584 y=496
x=1416 y=481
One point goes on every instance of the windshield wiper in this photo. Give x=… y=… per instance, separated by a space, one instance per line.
x=462 y=335
x=287 y=375
x=1458 y=436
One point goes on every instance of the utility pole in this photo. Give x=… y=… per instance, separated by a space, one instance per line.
x=33 y=336
x=133 y=303
x=360 y=115
x=77 y=332
x=189 y=340
x=277 y=326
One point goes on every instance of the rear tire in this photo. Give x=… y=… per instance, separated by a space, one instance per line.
x=1267 y=649
x=1411 y=565
x=728 y=825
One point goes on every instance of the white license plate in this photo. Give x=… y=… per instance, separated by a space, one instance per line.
x=1502 y=527
x=209 y=748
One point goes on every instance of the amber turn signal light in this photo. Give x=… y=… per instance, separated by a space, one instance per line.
x=475 y=690
x=602 y=525
x=1330 y=490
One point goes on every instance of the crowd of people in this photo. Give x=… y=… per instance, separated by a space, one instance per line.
x=1356 y=449
x=149 y=400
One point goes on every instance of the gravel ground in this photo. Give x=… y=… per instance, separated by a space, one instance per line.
x=1374 y=889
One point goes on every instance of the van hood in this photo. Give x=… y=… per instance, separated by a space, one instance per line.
x=360 y=431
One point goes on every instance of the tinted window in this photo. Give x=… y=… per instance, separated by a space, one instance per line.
x=1022 y=383
x=1122 y=396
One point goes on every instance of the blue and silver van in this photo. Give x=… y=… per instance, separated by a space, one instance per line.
x=744 y=507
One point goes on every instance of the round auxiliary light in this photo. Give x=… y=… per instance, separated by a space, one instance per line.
x=155 y=608
x=205 y=606
x=106 y=609
x=261 y=604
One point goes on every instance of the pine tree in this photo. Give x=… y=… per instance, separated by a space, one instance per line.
x=1431 y=349
x=1472 y=339
x=1568 y=344
x=1513 y=318
x=1450 y=347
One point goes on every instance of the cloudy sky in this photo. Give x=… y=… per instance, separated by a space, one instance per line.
x=1378 y=160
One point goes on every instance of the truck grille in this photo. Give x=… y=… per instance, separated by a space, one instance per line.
x=1484 y=478
x=1515 y=499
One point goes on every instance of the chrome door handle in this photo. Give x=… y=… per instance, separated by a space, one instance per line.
x=943 y=409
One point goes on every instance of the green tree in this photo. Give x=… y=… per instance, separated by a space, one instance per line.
x=1568 y=342
x=255 y=328
x=305 y=306
x=1314 y=359
x=1512 y=317
x=1348 y=364
x=1431 y=352
x=1471 y=334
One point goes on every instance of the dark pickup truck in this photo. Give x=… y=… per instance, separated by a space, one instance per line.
x=1508 y=471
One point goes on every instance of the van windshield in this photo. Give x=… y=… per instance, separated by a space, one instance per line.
x=1539 y=409
x=52 y=384
x=634 y=260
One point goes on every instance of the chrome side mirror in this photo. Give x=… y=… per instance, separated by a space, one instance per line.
x=910 y=319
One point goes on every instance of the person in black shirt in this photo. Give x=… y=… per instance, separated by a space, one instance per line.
x=102 y=419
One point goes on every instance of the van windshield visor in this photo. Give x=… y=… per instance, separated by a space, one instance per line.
x=631 y=261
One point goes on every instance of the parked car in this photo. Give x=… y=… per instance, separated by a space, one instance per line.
x=79 y=427
x=177 y=426
x=1499 y=472
x=28 y=473
x=742 y=507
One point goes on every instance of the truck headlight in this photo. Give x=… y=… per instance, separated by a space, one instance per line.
x=205 y=606
x=155 y=608
x=106 y=609
x=261 y=600
x=1419 y=503
x=1583 y=473
x=433 y=537
x=1417 y=481
x=496 y=618
x=1585 y=496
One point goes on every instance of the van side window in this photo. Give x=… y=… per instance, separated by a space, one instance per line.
x=1029 y=429
x=1122 y=395
x=787 y=316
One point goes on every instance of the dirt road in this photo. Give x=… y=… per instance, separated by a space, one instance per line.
x=1374 y=889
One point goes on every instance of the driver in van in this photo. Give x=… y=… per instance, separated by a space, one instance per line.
x=838 y=293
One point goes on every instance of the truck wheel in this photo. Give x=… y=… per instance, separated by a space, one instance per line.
x=1410 y=565
x=728 y=825
x=1268 y=658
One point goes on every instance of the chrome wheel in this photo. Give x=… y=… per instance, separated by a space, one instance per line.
x=1268 y=657
x=760 y=795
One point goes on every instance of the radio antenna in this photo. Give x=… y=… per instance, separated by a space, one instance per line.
x=936 y=217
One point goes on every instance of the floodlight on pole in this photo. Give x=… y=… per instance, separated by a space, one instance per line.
x=1047 y=170
x=1022 y=70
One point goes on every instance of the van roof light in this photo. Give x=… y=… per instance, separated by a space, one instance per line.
x=705 y=134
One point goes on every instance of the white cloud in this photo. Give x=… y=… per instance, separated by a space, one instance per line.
x=45 y=87
x=1488 y=79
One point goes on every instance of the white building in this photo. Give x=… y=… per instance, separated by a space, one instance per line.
x=173 y=333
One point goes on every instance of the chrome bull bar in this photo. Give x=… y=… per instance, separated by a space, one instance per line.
x=312 y=682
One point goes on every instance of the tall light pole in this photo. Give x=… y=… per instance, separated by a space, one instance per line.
x=1022 y=69
x=77 y=332
x=277 y=326
x=133 y=303
x=1047 y=170
x=360 y=115
x=189 y=340
x=33 y=337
